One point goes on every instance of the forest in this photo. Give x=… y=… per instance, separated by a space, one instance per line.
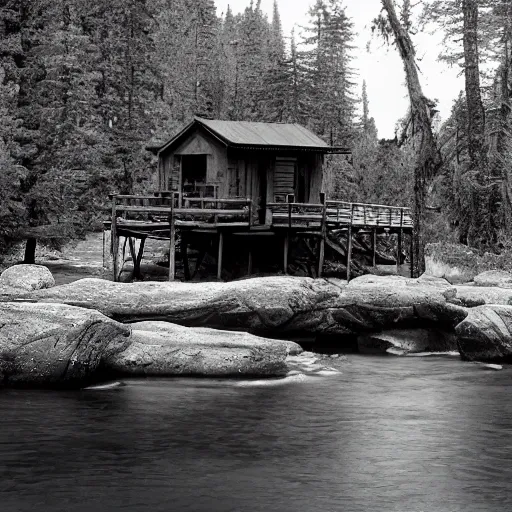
x=86 y=87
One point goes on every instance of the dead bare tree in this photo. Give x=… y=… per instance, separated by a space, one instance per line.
x=428 y=158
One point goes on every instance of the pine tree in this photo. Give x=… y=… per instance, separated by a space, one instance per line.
x=253 y=55
x=277 y=79
x=328 y=76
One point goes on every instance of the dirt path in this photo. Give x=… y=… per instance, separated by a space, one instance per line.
x=85 y=259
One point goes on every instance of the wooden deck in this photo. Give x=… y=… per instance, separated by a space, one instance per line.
x=160 y=215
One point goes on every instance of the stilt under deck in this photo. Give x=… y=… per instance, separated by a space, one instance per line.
x=161 y=215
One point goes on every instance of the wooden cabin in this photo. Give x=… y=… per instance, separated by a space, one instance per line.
x=241 y=187
x=264 y=162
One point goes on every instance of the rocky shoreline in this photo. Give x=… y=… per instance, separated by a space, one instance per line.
x=74 y=334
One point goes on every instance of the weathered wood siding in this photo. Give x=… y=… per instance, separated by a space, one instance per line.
x=312 y=164
x=198 y=143
x=262 y=176
x=285 y=171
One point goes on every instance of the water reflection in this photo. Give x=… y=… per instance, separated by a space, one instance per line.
x=388 y=434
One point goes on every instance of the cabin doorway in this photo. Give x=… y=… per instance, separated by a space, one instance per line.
x=193 y=175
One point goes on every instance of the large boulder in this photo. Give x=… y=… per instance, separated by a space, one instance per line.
x=281 y=306
x=405 y=341
x=499 y=278
x=164 y=349
x=26 y=277
x=472 y=296
x=456 y=263
x=486 y=334
x=55 y=345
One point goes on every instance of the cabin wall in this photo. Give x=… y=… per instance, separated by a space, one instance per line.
x=199 y=142
x=258 y=175
x=313 y=165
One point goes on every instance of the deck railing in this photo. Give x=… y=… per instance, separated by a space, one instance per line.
x=211 y=210
x=130 y=209
x=339 y=213
x=297 y=215
x=370 y=215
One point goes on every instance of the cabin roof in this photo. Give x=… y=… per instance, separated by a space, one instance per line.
x=256 y=135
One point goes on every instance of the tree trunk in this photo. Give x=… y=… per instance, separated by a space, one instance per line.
x=480 y=232
x=428 y=158
x=30 y=251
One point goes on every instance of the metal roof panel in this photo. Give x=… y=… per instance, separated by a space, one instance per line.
x=264 y=134
x=257 y=135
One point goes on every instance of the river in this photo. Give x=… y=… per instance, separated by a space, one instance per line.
x=387 y=434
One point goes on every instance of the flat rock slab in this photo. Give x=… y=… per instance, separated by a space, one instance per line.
x=473 y=296
x=499 y=278
x=52 y=345
x=486 y=334
x=277 y=305
x=164 y=349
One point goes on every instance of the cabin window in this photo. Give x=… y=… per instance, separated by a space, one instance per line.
x=193 y=174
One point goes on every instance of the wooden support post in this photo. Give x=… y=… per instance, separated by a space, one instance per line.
x=131 y=245
x=140 y=256
x=114 y=240
x=249 y=263
x=104 y=239
x=399 y=245
x=349 y=251
x=172 y=246
x=399 y=252
x=374 y=247
x=219 y=258
x=184 y=255
x=321 y=255
x=286 y=249
x=411 y=254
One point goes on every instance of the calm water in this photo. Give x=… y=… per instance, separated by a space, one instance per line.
x=389 y=434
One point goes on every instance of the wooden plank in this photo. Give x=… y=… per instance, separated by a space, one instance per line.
x=285 y=252
x=244 y=201
x=209 y=225
x=180 y=211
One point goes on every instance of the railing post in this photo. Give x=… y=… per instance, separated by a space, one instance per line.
x=249 y=210
x=290 y=199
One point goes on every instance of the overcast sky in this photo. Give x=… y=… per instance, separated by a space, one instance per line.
x=381 y=68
